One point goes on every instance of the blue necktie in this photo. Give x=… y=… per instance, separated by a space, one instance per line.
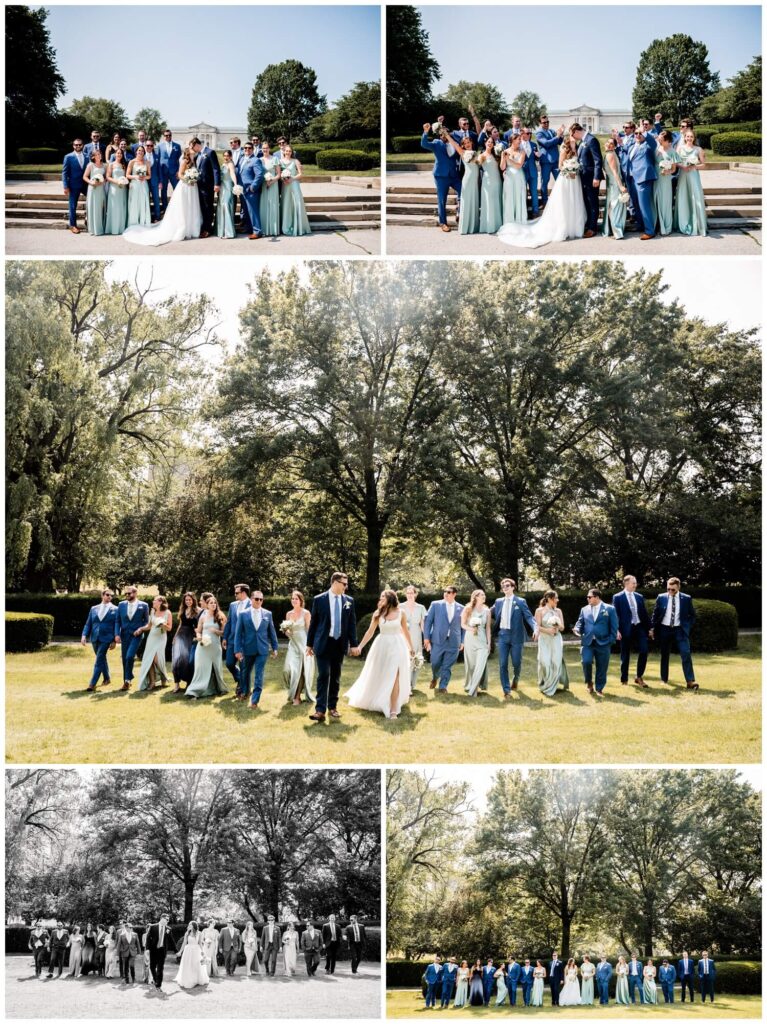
x=337 y=619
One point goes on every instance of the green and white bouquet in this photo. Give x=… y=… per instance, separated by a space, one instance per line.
x=286 y=626
x=571 y=168
x=238 y=190
x=286 y=175
x=191 y=176
x=692 y=159
x=498 y=148
x=97 y=178
x=666 y=167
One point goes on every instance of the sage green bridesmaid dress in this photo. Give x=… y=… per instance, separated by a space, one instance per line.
x=208 y=679
x=622 y=986
x=514 y=195
x=491 y=198
x=615 y=211
x=690 y=210
x=270 y=198
x=587 y=984
x=294 y=219
x=225 y=205
x=650 y=989
x=138 y=204
x=96 y=202
x=475 y=652
x=663 y=193
x=468 y=219
x=117 y=207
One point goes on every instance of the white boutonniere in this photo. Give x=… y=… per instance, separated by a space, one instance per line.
x=347 y=604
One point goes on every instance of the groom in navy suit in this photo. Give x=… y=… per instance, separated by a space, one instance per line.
x=254 y=636
x=590 y=159
x=597 y=627
x=72 y=171
x=672 y=620
x=332 y=633
x=633 y=625
x=510 y=615
x=208 y=183
x=445 y=172
x=556 y=977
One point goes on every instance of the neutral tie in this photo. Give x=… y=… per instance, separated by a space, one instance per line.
x=673 y=610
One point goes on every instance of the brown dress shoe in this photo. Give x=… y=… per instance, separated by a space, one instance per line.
x=590 y=687
x=692 y=686
x=333 y=713
x=589 y=233
x=204 y=234
x=445 y=227
x=433 y=684
x=645 y=238
x=75 y=231
x=640 y=682
x=318 y=716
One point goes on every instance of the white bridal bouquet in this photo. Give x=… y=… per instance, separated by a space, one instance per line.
x=286 y=175
x=96 y=178
x=141 y=172
x=571 y=168
x=191 y=176
x=268 y=176
x=475 y=620
x=416 y=660
x=624 y=197
x=666 y=166
x=286 y=626
x=437 y=127
x=691 y=159
x=123 y=182
x=467 y=157
x=238 y=190
x=205 y=640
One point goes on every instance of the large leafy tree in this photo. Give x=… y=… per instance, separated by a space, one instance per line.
x=411 y=70
x=673 y=76
x=484 y=99
x=529 y=107
x=96 y=113
x=740 y=100
x=33 y=82
x=356 y=115
x=285 y=98
x=152 y=121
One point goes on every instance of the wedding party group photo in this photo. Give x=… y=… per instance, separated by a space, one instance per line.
x=549 y=527
x=659 y=147
x=284 y=150
x=573 y=892
x=124 y=886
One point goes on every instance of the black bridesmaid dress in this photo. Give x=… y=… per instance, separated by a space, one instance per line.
x=90 y=958
x=476 y=990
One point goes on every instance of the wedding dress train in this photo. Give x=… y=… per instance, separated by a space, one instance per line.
x=564 y=217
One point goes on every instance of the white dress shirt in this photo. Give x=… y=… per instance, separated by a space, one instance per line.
x=508 y=607
x=131 y=609
x=255 y=614
x=103 y=608
x=672 y=606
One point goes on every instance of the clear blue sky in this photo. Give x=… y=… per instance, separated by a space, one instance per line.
x=599 y=75
x=199 y=63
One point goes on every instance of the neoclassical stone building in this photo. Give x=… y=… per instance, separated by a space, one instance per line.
x=211 y=135
x=599 y=122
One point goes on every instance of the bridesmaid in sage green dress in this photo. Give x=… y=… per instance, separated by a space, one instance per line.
x=588 y=970
x=208 y=679
x=514 y=184
x=552 y=670
x=294 y=219
x=270 y=192
x=615 y=208
x=650 y=987
x=468 y=218
x=663 y=193
x=96 y=200
x=475 y=620
x=153 y=659
x=491 y=199
x=690 y=210
x=622 y=982
x=117 y=207
x=138 y=191
x=225 y=205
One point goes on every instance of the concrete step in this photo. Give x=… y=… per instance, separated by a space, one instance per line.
x=64 y=201
x=718 y=217
x=318 y=223
x=417 y=193
x=46 y=211
x=343 y=215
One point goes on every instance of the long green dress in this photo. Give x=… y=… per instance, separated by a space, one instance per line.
x=690 y=210
x=468 y=219
x=270 y=197
x=491 y=201
x=138 y=203
x=96 y=202
x=663 y=193
x=475 y=651
x=622 y=986
x=294 y=219
x=154 y=653
x=208 y=679
x=117 y=207
x=587 y=984
x=650 y=989
x=615 y=210
x=514 y=194
x=552 y=670
x=225 y=205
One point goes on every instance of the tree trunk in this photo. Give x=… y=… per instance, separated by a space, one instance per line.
x=565 y=938
x=188 y=899
x=373 y=562
x=512 y=546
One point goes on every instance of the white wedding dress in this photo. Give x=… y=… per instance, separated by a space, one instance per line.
x=192 y=972
x=388 y=656
x=183 y=219
x=563 y=217
x=571 y=992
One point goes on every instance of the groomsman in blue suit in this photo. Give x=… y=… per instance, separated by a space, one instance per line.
x=513 y=977
x=636 y=979
x=240 y=604
x=641 y=149
x=590 y=160
x=254 y=637
x=633 y=625
x=516 y=129
x=95 y=143
x=488 y=977
x=597 y=627
x=526 y=979
x=132 y=616
x=170 y=159
x=549 y=142
x=685 y=971
x=462 y=132
x=154 y=178
x=556 y=977
x=102 y=630
x=332 y=634
x=443 y=637
x=532 y=156
x=449 y=976
x=622 y=139
x=603 y=974
x=252 y=177
x=72 y=182
x=432 y=975
x=238 y=155
x=510 y=615
x=445 y=171
x=707 y=976
x=667 y=977
x=672 y=620
x=141 y=140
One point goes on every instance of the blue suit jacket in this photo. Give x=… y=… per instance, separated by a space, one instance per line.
x=207 y=166
x=507 y=135
x=248 y=640
x=520 y=614
x=90 y=146
x=432 y=973
x=488 y=973
x=526 y=979
x=319 y=627
x=590 y=158
x=514 y=971
x=548 y=143
x=140 y=616
x=252 y=174
x=686 y=612
x=231 y=621
x=623 y=611
x=641 y=155
x=132 y=149
x=601 y=633
x=155 y=174
x=103 y=630
x=444 y=165
x=711 y=968
x=604 y=971
x=169 y=161
x=439 y=631
x=71 y=172
x=666 y=974
x=690 y=967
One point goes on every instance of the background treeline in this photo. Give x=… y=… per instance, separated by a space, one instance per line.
x=579 y=861
x=128 y=844
x=421 y=422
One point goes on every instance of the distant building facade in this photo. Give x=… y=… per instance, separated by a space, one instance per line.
x=598 y=122
x=210 y=134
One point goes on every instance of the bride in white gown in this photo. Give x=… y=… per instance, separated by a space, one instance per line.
x=571 y=991
x=183 y=216
x=384 y=683
x=192 y=971
x=565 y=213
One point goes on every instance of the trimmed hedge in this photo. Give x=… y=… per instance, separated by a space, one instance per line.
x=406 y=144
x=307 y=152
x=705 y=132
x=27 y=631
x=734 y=977
x=737 y=144
x=361 y=145
x=347 y=160
x=38 y=155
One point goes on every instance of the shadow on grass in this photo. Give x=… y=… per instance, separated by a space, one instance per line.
x=333 y=729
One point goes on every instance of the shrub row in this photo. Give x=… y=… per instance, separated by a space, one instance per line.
x=737 y=144
x=347 y=160
x=705 y=132
x=735 y=977
x=361 y=145
x=38 y=155
x=27 y=631
x=406 y=144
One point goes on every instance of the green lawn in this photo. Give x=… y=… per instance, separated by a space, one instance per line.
x=408 y=1003
x=50 y=718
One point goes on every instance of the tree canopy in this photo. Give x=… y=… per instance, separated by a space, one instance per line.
x=33 y=82
x=152 y=122
x=740 y=100
x=673 y=76
x=285 y=98
x=411 y=70
x=100 y=114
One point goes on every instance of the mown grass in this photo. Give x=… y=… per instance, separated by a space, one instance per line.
x=50 y=718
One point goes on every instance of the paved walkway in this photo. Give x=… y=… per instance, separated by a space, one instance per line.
x=342 y=995
x=711 y=179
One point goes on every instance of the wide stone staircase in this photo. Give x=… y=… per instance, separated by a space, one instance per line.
x=326 y=212
x=726 y=207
